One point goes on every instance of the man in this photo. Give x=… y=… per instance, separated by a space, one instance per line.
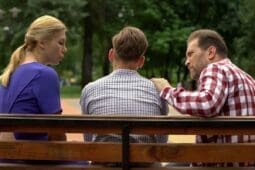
x=124 y=92
x=223 y=88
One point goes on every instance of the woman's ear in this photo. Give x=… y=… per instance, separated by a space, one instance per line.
x=41 y=44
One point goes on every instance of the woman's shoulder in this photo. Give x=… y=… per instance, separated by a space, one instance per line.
x=35 y=71
x=37 y=68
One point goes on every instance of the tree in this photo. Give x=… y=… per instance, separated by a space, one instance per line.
x=63 y=10
x=244 y=42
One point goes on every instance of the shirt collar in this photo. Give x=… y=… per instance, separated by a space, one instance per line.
x=124 y=71
x=222 y=61
x=225 y=60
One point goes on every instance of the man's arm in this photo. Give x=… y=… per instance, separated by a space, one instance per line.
x=160 y=83
x=206 y=102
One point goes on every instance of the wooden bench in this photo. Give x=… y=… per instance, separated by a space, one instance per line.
x=125 y=152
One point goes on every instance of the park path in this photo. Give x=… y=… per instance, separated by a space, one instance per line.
x=71 y=106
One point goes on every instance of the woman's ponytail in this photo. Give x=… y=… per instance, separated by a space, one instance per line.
x=16 y=58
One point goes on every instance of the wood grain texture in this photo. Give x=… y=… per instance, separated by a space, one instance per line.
x=112 y=152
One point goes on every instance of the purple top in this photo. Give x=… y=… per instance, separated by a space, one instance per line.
x=33 y=89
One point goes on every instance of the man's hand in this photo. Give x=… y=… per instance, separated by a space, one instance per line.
x=160 y=83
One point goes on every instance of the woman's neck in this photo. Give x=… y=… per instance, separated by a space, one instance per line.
x=31 y=57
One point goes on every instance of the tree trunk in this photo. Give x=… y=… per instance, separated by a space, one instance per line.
x=87 y=53
x=106 y=66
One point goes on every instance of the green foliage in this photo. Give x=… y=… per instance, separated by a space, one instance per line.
x=70 y=92
x=244 y=43
x=70 y=12
x=166 y=24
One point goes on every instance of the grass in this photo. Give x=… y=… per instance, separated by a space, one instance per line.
x=71 y=91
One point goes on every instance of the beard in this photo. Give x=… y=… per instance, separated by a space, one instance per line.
x=194 y=74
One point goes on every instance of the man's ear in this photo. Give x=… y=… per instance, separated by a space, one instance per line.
x=211 y=52
x=141 y=61
x=111 y=55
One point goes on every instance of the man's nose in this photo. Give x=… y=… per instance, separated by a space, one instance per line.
x=187 y=61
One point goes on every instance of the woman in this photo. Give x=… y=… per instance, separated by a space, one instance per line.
x=28 y=85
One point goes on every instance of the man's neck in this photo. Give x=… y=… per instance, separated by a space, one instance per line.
x=125 y=65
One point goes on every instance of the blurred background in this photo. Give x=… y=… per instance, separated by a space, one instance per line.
x=166 y=23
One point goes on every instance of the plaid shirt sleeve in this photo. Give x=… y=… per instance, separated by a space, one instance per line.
x=207 y=101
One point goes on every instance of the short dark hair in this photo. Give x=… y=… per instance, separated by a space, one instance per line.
x=130 y=43
x=208 y=38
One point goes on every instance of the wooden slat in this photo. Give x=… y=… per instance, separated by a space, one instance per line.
x=193 y=152
x=136 y=130
x=4 y=166
x=113 y=124
x=13 y=166
x=111 y=152
x=192 y=130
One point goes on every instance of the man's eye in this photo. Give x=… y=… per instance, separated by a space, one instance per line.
x=190 y=54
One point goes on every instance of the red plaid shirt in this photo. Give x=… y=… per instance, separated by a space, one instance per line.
x=223 y=89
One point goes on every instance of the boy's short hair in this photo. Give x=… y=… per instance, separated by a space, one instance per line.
x=130 y=43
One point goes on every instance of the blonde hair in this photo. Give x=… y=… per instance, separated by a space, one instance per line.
x=43 y=28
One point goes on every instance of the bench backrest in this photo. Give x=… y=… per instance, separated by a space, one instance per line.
x=126 y=152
